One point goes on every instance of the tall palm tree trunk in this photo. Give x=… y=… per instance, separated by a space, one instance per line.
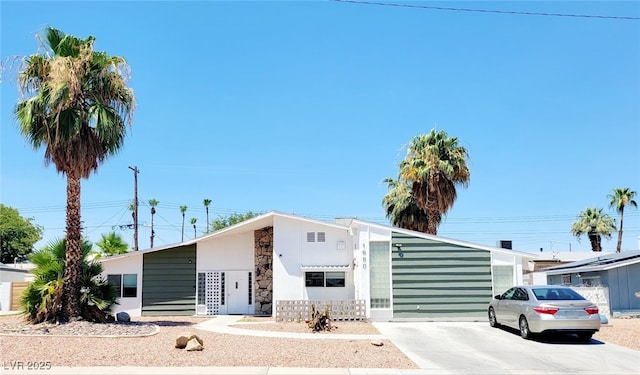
x=619 y=246
x=433 y=213
x=73 y=256
x=596 y=242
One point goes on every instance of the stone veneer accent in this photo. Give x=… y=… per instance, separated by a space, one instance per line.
x=263 y=280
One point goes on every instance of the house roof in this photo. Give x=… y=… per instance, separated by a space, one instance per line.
x=565 y=256
x=267 y=219
x=7 y=268
x=244 y=226
x=447 y=240
x=600 y=263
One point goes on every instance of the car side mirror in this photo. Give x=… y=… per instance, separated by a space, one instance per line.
x=498 y=296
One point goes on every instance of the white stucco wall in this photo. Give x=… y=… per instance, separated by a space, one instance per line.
x=367 y=234
x=5 y=296
x=126 y=265
x=292 y=251
x=9 y=275
x=227 y=253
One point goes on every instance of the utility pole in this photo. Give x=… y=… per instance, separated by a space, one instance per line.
x=135 y=207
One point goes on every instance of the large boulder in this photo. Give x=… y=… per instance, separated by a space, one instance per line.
x=183 y=340
x=123 y=317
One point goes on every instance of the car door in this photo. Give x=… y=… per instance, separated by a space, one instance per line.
x=516 y=305
x=504 y=306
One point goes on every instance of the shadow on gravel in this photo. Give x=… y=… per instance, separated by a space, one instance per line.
x=170 y=323
x=555 y=338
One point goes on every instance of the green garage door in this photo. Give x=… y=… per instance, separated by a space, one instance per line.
x=169 y=282
x=432 y=279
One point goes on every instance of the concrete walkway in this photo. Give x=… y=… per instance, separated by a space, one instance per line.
x=221 y=324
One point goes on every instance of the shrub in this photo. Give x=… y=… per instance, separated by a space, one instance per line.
x=42 y=300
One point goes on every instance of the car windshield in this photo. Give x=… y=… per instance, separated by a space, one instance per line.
x=551 y=293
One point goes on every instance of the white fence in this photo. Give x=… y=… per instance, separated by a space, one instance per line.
x=300 y=310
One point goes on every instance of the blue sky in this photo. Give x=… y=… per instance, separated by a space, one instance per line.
x=306 y=106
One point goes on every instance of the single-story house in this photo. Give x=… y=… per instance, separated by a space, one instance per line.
x=250 y=267
x=618 y=272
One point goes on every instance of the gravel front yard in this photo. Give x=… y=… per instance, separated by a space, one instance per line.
x=157 y=347
x=219 y=349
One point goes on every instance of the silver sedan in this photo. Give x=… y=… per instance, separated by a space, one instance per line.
x=543 y=309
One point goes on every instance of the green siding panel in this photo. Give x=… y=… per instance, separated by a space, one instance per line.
x=438 y=280
x=168 y=282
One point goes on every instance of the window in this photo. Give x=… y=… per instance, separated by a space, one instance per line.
x=130 y=285
x=520 y=295
x=324 y=279
x=566 y=279
x=316 y=236
x=250 y=289
x=380 y=275
x=116 y=281
x=311 y=236
x=126 y=285
x=502 y=278
x=334 y=279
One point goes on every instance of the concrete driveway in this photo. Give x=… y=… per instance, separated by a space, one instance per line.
x=476 y=348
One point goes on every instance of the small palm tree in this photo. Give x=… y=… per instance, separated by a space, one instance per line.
x=619 y=199
x=76 y=106
x=183 y=210
x=111 y=244
x=42 y=300
x=401 y=208
x=193 y=222
x=434 y=165
x=152 y=203
x=594 y=224
x=206 y=203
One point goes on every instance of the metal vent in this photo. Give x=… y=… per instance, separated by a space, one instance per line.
x=311 y=236
x=321 y=236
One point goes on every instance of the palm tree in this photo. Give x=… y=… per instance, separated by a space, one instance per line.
x=42 y=300
x=434 y=165
x=77 y=106
x=193 y=222
x=206 y=203
x=594 y=224
x=621 y=198
x=152 y=203
x=183 y=210
x=401 y=208
x=112 y=244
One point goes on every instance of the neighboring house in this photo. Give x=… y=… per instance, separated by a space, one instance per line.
x=544 y=260
x=618 y=272
x=249 y=267
x=12 y=282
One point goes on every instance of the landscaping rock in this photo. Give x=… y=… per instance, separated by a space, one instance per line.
x=123 y=317
x=183 y=340
x=195 y=344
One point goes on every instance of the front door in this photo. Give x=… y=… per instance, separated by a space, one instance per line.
x=238 y=290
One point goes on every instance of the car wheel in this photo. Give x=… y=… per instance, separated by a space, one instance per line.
x=493 y=322
x=584 y=336
x=524 y=328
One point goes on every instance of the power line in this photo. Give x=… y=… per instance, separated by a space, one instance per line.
x=488 y=10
